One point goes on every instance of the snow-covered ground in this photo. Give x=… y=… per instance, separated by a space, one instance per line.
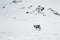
x=15 y=24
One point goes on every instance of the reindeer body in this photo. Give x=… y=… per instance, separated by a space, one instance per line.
x=37 y=27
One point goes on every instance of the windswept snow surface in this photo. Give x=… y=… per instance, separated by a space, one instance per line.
x=15 y=24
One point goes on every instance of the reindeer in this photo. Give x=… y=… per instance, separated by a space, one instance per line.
x=37 y=27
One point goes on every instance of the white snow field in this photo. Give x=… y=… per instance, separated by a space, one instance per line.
x=15 y=24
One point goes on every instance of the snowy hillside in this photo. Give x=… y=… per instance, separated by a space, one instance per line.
x=18 y=17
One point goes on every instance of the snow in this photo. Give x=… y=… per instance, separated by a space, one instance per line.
x=15 y=24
